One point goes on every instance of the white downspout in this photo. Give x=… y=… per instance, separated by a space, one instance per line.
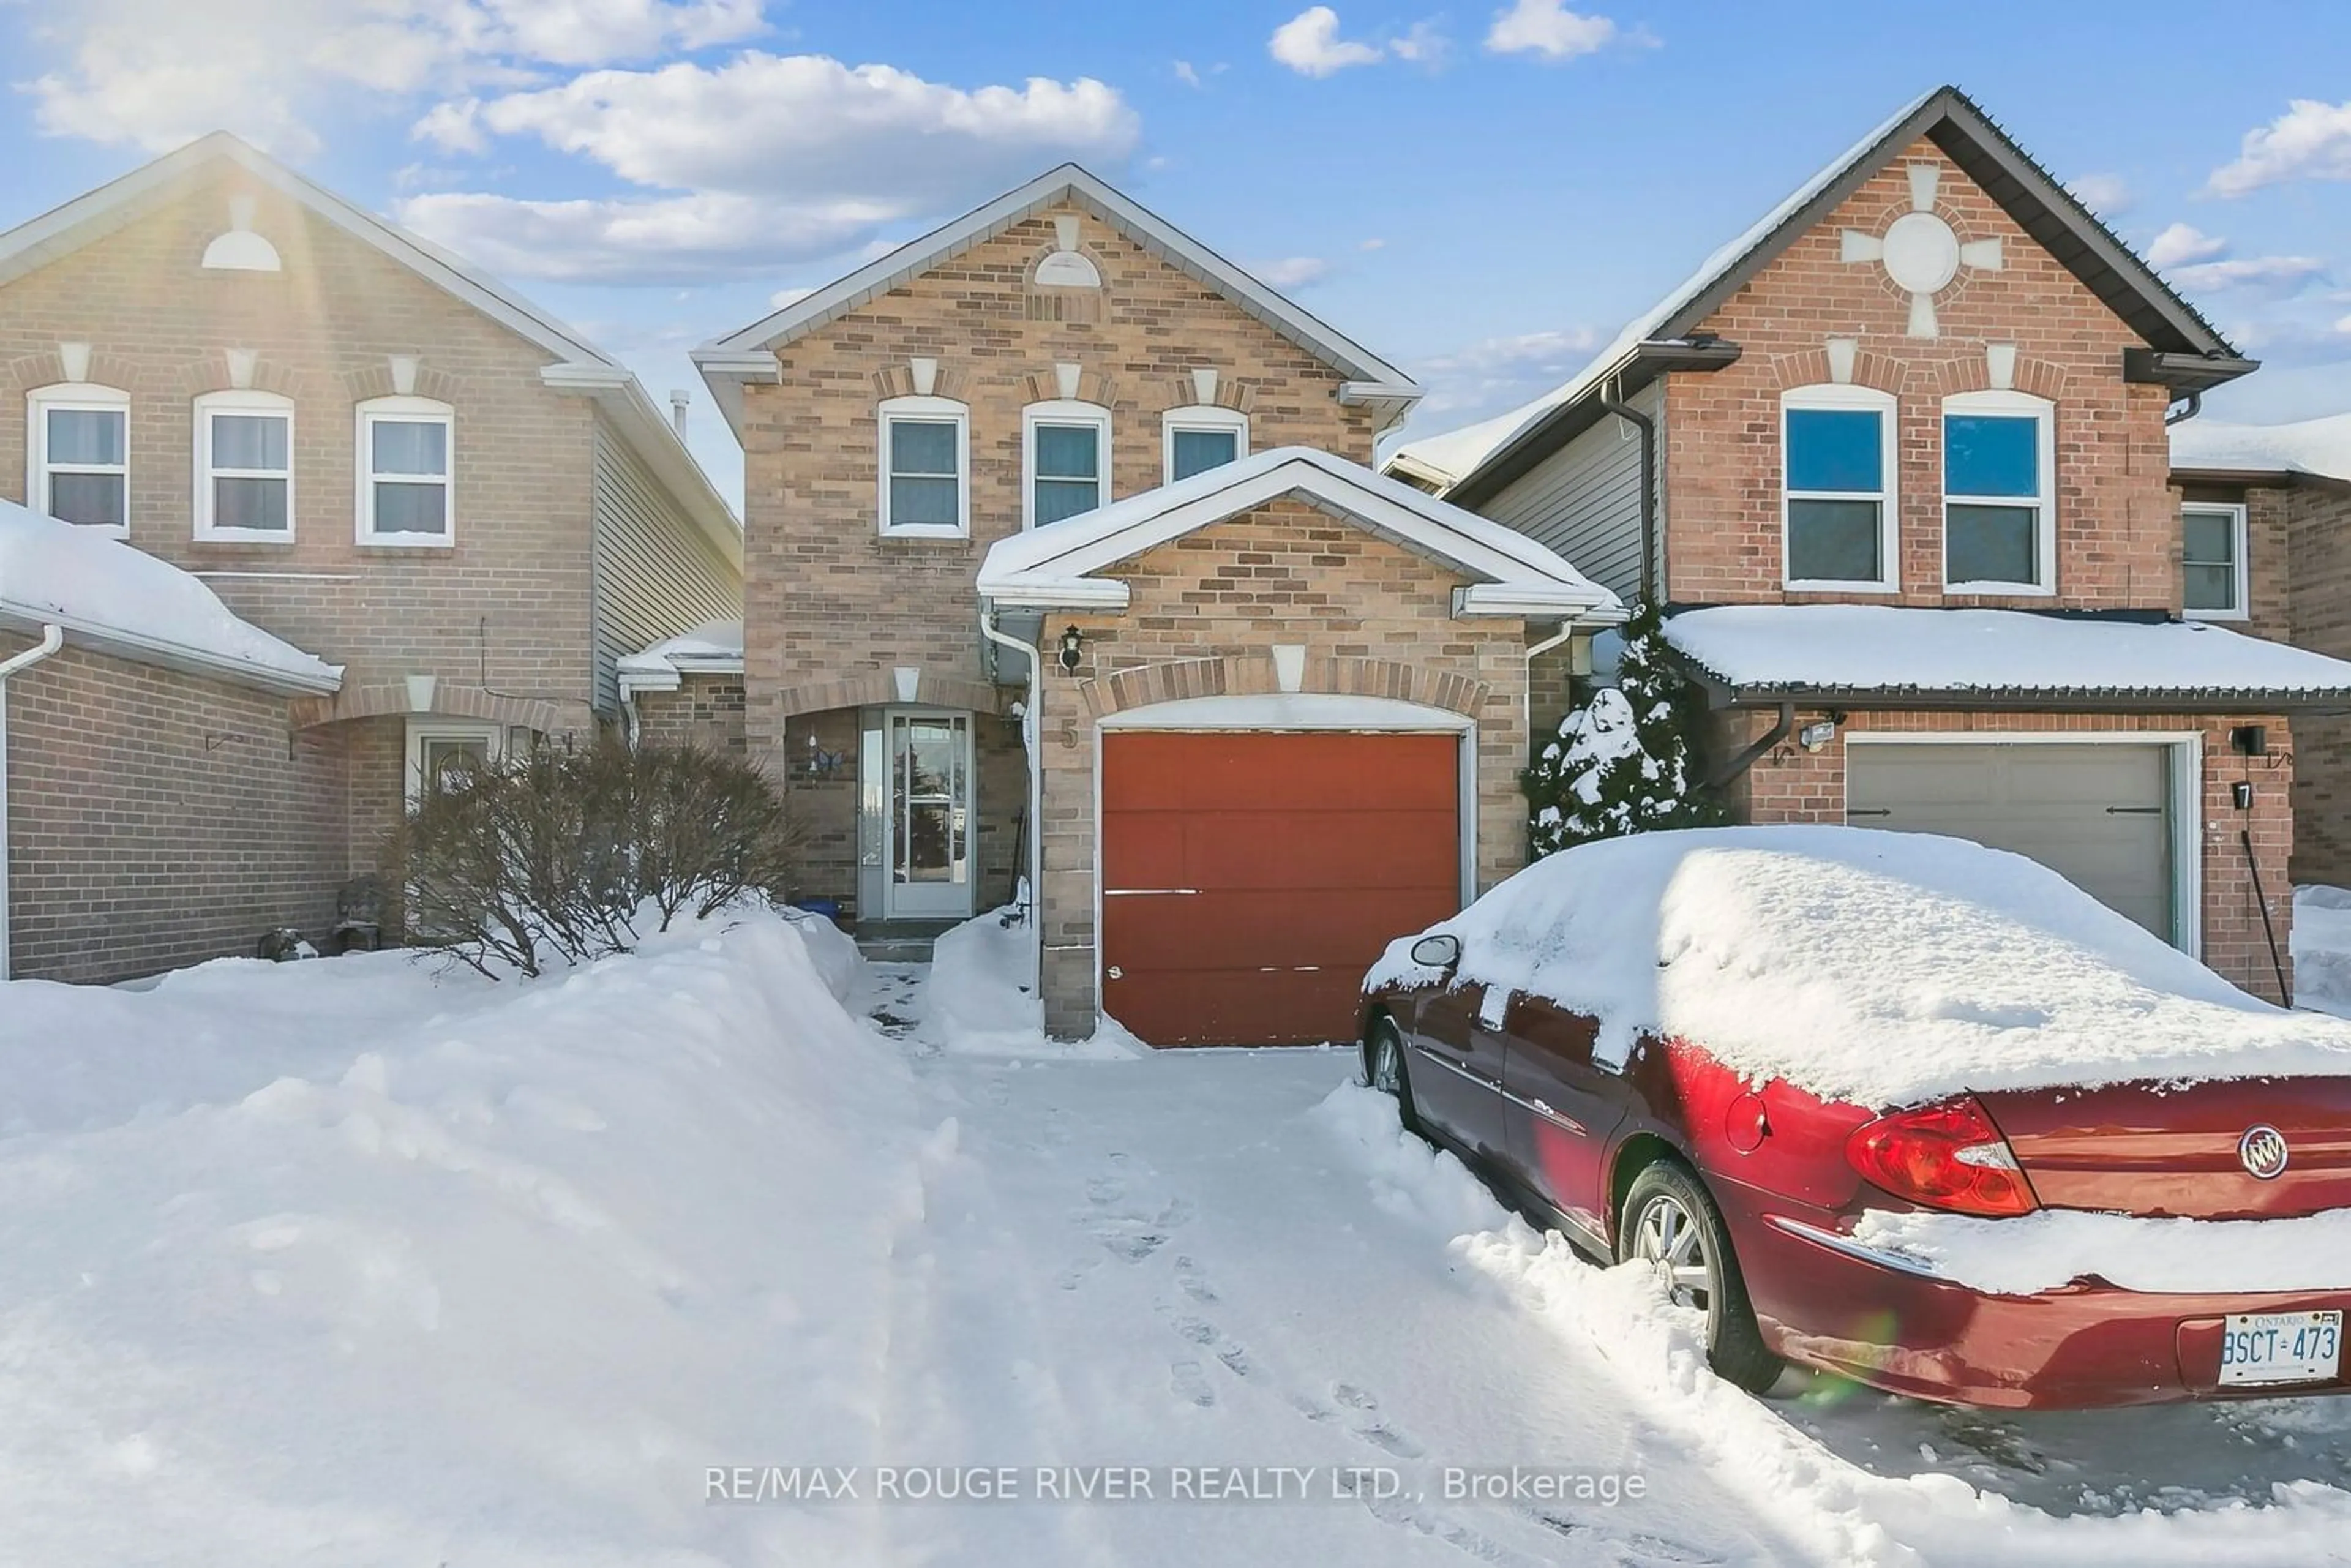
x=53 y=637
x=1030 y=733
x=1527 y=685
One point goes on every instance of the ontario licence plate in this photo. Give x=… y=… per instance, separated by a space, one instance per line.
x=2281 y=1347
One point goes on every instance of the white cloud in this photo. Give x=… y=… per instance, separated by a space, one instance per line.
x=157 y=73
x=1548 y=28
x=2108 y=196
x=1186 y=74
x=1374 y=243
x=2278 y=274
x=1422 y=44
x=1308 y=44
x=2182 y=242
x=808 y=126
x=702 y=236
x=455 y=126
x=2311 y=140
x=1291 y=271
x=1497 y=373
x=761 y=160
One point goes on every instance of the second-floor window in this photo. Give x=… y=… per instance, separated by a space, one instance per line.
x=2212 y=561
x=78 y=444
x=1838 y=501
x=1998 y=522
x=925 y=467
x=405 y=452
x=245 y=467
x=1196 y=440
x=1068 y=460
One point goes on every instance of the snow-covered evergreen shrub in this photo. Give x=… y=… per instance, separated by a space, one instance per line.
x=1623 y=761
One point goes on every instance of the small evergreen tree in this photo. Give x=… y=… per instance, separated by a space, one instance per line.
x=1623 y=761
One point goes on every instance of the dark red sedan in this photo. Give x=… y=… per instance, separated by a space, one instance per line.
x=1786 y=1215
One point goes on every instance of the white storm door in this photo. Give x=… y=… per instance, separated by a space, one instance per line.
x=928 y=851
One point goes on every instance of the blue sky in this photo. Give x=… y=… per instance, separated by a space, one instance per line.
x=1481 y=193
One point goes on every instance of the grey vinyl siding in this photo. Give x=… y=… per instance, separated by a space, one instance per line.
x=656 y=574
x=1584 y=500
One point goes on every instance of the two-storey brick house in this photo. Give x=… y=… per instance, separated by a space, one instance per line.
x=2265 y=543
x=1280 y=706
x=357 y=444
x=1895 y=463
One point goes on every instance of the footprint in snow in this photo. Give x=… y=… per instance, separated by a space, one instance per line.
x=1189 y=1381
x=1210 y=1338
x=1193 y=1283
x=1104 y=1189
x=1372 y=1429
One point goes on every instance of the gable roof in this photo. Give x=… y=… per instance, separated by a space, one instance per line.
x=1055 y=567
x=577 y=365
x=749 y=353
x=2309 y=448
x=1473 y=466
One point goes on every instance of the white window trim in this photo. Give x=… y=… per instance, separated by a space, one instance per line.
x=406 y=411
x=74 y=397
x=1059 y=410
x=1889 y=511
x=2013 y=405
x=1199 y=417
x=929 y=409
x=420 y=731
x=2235 y=511
x=241 y=401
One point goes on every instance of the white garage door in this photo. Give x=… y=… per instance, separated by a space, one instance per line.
x=2100 y=816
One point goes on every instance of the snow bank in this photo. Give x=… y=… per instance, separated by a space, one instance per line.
x=2036 y=1252
x=2322 y=949
x=362 y=1261
x=981 y=997
x=1885 y=968
x=1884 y=647
x=716 y=642
x=53 y=571
x=2321 y=447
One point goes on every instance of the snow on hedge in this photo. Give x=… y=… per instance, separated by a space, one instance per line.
x=2028 y=1254
x=51 y=571
x=371 y=1261
x=1885 y=968
x=1884 y=647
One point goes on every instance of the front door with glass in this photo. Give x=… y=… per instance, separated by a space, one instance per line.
x=929 y=821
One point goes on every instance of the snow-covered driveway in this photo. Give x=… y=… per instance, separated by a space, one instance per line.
x=1174 y=1262
x=353 y=1262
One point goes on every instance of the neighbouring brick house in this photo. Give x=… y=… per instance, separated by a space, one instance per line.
x=358 y=444
x=1900 y=459
x=1280 y=706
x=2265 y=514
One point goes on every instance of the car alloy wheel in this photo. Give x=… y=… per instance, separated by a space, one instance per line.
x=1387 y=1063
x=1673 y=1242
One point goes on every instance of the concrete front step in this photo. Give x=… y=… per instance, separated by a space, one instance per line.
x=899 y=941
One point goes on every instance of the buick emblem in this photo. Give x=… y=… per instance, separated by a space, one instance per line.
x=2263 y=1151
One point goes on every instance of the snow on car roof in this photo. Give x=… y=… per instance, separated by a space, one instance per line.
x=1884 y=968
x=1885 y=647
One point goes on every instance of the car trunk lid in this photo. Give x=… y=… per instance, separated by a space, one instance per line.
x=2182 y=1150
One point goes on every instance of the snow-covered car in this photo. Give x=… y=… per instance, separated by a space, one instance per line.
x=1898 y=1106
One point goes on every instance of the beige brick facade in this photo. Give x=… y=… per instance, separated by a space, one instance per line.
x=1204 y=613
x=502 y=620
x=156 y=819
x=832 y=608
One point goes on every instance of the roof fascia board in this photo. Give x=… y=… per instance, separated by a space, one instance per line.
x=143 y=648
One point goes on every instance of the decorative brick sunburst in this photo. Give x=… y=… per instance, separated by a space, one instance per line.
x=1920 y=253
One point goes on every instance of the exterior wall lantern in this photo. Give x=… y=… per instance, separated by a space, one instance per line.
x=1073 y=649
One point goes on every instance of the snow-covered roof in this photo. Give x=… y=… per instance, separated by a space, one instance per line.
x=579 y=366
x=713 y=648
x=121 y=601
x=2316 y=446
x=1881 y=968
x=1055 y=565
x=1881 y=649
x=2120 y=276
x=749 y=353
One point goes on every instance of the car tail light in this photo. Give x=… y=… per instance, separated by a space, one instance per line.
x=1947 y=1156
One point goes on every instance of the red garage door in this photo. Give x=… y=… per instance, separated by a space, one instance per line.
x=1249 y=879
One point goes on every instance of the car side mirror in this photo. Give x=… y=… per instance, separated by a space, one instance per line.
x=1438 y=952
